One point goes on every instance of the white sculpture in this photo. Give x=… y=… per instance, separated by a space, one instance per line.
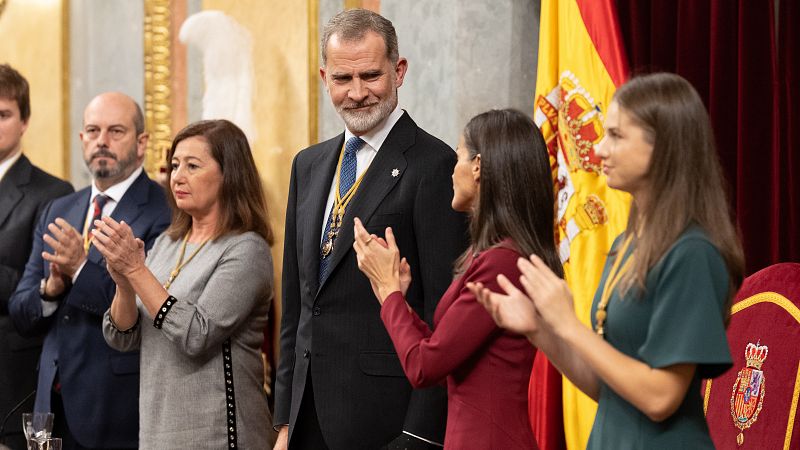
x=227 y=49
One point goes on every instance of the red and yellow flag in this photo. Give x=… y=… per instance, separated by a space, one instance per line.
x=581 y=63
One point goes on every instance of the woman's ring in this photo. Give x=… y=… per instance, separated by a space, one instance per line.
x=367 y=241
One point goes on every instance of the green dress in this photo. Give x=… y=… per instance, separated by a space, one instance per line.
x=679 y=319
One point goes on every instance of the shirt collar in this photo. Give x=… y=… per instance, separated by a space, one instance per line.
x=376 y=136
x=5 y=165
x=116 y=191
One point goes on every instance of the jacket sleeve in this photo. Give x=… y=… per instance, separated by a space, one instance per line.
x=428 y=357
x=25 y=305
x=290 y=314
x=10 y=276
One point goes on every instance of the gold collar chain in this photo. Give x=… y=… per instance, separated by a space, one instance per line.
x=611 y=282
x=339 y=206
x=180 y=263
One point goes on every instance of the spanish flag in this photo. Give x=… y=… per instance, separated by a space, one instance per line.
x=581 y=63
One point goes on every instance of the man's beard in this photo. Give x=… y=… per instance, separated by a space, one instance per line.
x=362 y=122
x=103 y=170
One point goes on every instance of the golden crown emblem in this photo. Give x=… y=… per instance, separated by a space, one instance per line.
x=755 y=355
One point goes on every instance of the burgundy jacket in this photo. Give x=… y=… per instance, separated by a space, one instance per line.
x=486 y=368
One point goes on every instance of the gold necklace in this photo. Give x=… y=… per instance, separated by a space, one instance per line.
x=339 y=206
x=180 y=263
x=612 y=280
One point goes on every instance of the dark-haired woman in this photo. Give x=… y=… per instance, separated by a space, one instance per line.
x=196 y=307
x=660 y=310
x=500 y=155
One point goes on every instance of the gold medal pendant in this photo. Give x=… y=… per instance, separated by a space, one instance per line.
x=327 y=248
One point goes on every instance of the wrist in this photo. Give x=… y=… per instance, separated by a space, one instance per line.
x=49 y=293
x=385 y=292
x=572 y=329
x=134 y=271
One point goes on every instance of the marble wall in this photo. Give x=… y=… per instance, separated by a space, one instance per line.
x=106 y=54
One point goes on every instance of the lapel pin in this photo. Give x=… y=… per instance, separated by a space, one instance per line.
x=395 y=172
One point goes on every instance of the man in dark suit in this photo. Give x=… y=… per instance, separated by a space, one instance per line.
x=92 y=389
x=339 y=382
x=24 y=192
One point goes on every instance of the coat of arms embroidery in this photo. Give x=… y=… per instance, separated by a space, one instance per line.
x=748 y=389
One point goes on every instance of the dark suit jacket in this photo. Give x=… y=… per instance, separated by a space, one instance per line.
x=24 y=192
x=487 y=369
x=362 y=397
x=99 y=386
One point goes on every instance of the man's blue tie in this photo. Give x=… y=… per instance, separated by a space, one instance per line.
x=347 y=177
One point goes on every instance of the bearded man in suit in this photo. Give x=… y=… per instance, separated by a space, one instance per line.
x=340 y=384
x=66 y=288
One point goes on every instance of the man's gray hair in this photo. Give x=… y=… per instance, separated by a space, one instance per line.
x=353 y=24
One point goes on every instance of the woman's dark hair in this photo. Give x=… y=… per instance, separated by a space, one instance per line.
x=686 y=184
x=243 y=206
x=515 y=198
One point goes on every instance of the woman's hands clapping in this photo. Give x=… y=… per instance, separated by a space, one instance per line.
x=123 y=252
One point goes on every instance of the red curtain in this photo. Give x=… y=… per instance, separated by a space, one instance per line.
x=748 y=80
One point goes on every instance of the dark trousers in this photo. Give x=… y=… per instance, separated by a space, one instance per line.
x=307 y=434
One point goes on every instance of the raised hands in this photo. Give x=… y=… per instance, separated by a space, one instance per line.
x=549 y=293
x=69 y=252
x=511 y=309
x=380 y=261
x=123 y=252
x=545 y=304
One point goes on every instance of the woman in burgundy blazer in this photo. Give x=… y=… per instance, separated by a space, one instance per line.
x=502 y=178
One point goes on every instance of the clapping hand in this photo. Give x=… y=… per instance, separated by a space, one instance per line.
x=123 y=252
x=549 y=293
x=511 y=309
x=69 y=253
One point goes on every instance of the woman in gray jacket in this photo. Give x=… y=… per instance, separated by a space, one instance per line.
x=196 y=306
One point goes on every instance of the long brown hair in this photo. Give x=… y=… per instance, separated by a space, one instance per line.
x=515 y=198
x=686 y=184
x=242 y=201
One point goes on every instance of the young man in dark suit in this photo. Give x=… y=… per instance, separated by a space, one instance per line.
x=92 y=389
x=24 y=192
x=339 y=381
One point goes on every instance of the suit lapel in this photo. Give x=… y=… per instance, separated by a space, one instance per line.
x=322 y=172
x=18 y=174
x=378 y=181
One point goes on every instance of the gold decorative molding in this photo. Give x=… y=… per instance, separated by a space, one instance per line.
x=157 y=83
x=2 y=6
x=313 y=71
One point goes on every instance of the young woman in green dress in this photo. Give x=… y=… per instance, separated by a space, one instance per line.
x=659 y=314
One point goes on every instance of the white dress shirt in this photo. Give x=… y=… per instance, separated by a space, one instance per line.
x=5 y=165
